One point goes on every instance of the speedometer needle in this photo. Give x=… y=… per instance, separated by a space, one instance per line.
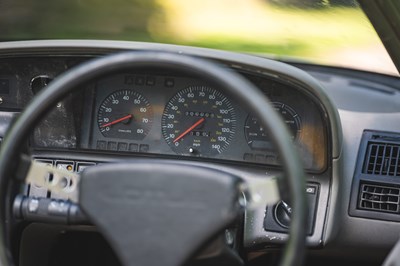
x=117 y=121
x=189 y=129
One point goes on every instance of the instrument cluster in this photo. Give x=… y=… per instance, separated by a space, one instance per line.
x=165 y=114
x=175 y=115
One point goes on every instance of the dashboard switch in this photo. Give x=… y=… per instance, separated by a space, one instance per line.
x=68 y=166
x=101 y=145
x=144 y=148
x=129 y=80
x=122 y=146
x=260 y=158
x=82 y=166
x=248 y=157
x=278 y=217
x=35 y=191
x=150 y=81
x=283 y=214
x=139 y=80
x=112 y=146
x=65 y=165
x=310 y=190
x=133 y=147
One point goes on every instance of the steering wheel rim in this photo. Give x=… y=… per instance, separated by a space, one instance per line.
x=226 y=80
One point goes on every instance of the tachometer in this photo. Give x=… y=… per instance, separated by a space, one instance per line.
x=125 y=114
x=199 y=121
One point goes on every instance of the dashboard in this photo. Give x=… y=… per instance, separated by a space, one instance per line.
x=153 y=113
x=170 y=115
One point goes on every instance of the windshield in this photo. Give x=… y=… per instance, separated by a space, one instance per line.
x=329 y=32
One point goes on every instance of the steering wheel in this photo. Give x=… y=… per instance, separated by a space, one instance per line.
x=145 y=206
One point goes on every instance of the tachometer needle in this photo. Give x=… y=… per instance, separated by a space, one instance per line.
x=189 y=129
x=117 y=121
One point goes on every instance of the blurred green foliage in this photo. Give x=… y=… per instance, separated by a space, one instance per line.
x=54 y=19
x=253 y=26
x=328 y=31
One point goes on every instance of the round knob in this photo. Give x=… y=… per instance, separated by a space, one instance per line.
x=282 y=214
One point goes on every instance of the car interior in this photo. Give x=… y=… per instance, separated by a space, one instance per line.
x=137 y=153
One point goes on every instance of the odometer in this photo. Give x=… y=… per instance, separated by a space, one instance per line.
x=125 y=114
x=199 y=121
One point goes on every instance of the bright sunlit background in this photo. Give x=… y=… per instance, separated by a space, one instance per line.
x=331 y=32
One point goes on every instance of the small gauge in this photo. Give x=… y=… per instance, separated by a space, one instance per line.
x=256 y=136
x=199 y=121
x=125 y=114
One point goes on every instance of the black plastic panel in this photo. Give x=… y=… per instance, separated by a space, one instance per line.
x=271 y=223
x=375 y=188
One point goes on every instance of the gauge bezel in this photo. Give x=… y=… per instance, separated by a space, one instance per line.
x=200 y=104
x=294 y=133
x=120 y=125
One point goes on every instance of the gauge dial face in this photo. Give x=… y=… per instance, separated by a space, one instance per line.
x=199 y=121
x=125 y=114
x=257 y=138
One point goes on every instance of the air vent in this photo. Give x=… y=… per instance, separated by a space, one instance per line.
x=382 y=159
x=376 y=183
x=380 y=198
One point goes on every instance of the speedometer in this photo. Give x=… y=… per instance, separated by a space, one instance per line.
x=199 y=121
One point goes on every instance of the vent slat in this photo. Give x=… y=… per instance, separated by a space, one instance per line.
x=382 y=159
x=382 y=168
x=390 y=160
x=397 y=162
x=380 y=198
x=376 y=159
x=368 y=160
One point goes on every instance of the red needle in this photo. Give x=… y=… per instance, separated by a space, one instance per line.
x=189 y=129
x=117 y=121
